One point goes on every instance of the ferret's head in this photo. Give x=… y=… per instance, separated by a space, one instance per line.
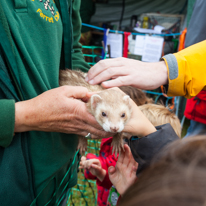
x=111 y=109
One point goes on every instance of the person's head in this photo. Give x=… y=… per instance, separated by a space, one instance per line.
x=178 y=177
x=159 y=115
x=137 y=95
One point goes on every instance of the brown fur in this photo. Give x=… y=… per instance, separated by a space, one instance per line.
x=137 y=95
x=76 y=78
x=159 y=114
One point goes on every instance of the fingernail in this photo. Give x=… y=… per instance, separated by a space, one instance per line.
x=86 y=78
x=110 y=169
x=91 y=81
x=104 y=84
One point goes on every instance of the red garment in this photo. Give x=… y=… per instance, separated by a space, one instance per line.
x=106 y=159
x=126 y=44
x=196 y=108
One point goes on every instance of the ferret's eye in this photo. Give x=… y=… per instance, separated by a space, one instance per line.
x=104 y=114
x=123 y=115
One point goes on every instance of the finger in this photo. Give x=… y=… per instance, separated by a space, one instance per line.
x=81 y=163
x=96 y=162
x=133 y=165
x=83 y=158
x=88 y=164
x=101 y=136
x=76 y=92
x=96 y=167
x=88 y=96
x=111 y=170
x=134 y=168
x=96 y=131
x=118 y=82
x=121 y=158
x=109 y=73
x=101 y=66
x=127 y=156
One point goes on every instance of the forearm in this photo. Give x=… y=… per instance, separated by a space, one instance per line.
x=186 y=71
x=101 y=175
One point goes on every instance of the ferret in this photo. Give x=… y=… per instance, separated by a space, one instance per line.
x=111 y=108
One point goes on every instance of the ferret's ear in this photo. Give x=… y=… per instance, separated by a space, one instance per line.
x=126 y=98
x=95 y=99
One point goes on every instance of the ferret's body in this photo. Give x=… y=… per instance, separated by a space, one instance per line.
x=111 y=108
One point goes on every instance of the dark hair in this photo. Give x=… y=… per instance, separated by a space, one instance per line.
x=137 y=95
x=178 y=177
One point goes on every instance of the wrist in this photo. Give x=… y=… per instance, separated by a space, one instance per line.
x=147 y=129
x=20 y=116
x=101 y=175
x=163 y=72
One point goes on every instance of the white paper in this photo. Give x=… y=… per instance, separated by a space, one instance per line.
x=131 y=46
x=115 y=42
x=157 y=30
x=152 y=49
x=139 y=45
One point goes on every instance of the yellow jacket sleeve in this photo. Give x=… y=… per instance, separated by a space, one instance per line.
x=187 y=71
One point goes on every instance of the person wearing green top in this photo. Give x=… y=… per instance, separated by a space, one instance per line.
x=39 y=120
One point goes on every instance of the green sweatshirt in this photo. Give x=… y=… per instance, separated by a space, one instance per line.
x=35 y=31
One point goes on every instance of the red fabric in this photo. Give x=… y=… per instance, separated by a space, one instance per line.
x=126 y=44
x=106 y=159
x=196 y=108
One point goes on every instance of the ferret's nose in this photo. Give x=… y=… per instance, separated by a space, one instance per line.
x=114 y=129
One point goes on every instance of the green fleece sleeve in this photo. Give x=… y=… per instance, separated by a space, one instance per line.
x=78 y=61
x=7 y=121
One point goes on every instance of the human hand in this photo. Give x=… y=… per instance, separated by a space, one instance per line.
x=122 y=71
x=138 y=124
x=123 y=175
x=58 y=110
x=94 y=166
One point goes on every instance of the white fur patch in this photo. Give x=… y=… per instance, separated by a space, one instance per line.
x=94 y=101
x=106 y=126
x=121 y=126
x=126 y=97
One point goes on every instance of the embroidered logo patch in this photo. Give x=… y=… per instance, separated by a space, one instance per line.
x=49 y=5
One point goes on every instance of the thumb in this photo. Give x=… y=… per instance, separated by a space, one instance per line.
x=76 y=92
x=96 y=167
x=111 y=170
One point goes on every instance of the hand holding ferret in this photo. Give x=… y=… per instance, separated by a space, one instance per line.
x=138 y=125
x=58 y=110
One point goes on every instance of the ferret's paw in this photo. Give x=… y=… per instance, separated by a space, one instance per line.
x=82 y=145
x=117 y=146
